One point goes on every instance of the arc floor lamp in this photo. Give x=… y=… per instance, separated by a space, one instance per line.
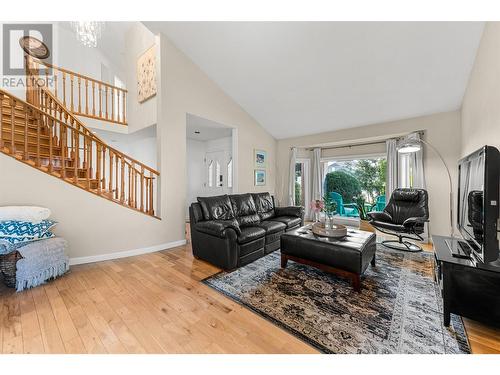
x=412 y=145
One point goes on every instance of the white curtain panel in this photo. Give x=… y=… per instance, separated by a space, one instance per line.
x=291 y=177
x=317 y=183
x=392 y=167
x=418 y=175
x=417 y=163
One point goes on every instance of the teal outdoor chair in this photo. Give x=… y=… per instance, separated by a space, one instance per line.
x=379 y=204
x=344 y=209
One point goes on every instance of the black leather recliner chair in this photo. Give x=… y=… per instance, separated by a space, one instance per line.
x=230 y=231
x=404 y=217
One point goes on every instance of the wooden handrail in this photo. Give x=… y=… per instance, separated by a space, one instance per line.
x=66 y=149
x=108 y=102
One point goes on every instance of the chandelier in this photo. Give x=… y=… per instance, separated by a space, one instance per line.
x=88 y=32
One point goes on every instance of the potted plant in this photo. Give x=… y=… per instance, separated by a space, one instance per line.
x=364 y=224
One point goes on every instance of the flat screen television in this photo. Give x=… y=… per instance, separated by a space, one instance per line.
x=478 y=196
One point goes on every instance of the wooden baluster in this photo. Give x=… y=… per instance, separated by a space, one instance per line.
x=90 y=158
x=134 y=188
x=142 y=188
x=106 y=99
x=76 y=153
x=93 y=98
x=12 y=124
x=79 y=96
x=51 y=154
x=113 y=104
x=64 y=149
x=87 y=165
x=64 y=87
x=26 y=110
x=130 y=184
x=116 y=178
x=55 y=84
x=122 y=187
x=38 y=125
x=100 y=101
x=110 y=182
x=103 y=172
x=86 y=97
x=85 y=161
x=1 y=121
x=98 y=167
x=71 y=93
x=151 y=211
x=124 y=107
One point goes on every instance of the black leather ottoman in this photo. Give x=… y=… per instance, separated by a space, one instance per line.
x=348 y=257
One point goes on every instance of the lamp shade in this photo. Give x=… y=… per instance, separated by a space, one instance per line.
x=408 y=146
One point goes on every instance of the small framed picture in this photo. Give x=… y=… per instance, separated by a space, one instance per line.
x=260 y=158
x=260 y=177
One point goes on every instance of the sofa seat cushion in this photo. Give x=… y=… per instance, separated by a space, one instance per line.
x=272 y=226
x=250 y=234
x=290 y=221
x=389 y=226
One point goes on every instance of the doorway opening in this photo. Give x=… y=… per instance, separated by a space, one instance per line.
x=210 y=159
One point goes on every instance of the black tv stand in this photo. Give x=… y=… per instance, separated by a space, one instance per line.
x=469 y=288
x=459 y=248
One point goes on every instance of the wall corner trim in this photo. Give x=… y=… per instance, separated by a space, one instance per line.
x=125 y=254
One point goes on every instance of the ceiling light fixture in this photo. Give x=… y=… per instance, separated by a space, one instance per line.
x=88 y=32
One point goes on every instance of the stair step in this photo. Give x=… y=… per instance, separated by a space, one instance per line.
x=32 y=138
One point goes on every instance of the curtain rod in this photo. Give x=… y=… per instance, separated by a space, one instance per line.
x=421 y=132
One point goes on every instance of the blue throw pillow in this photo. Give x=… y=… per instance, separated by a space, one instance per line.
x=25 y=229
x=14 y=241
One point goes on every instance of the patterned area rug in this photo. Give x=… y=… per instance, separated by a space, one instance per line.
x=397 y=311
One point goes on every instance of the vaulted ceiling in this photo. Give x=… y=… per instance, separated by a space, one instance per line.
x=298 y=78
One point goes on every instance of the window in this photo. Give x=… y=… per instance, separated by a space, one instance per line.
x=355 y=181
x=299 y=185
x=218 y=174
x=230 y=173
x=211 y=173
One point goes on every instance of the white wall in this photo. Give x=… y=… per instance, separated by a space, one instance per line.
x=195 y=170
x=442 y=130
x=138 y=40
x=140 y=145
x=481 y=105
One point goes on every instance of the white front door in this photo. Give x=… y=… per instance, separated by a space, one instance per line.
x=216 y=171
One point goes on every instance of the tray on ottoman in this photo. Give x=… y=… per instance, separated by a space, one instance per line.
x=348 y=257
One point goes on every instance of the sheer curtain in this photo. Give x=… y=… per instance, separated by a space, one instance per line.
x=291 y=176
x=317 y=183
x=392 y=167
x=411 y=172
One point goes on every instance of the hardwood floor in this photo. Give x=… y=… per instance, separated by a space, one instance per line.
x=152 y=303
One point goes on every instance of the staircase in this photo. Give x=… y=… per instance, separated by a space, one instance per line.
x=45 y=133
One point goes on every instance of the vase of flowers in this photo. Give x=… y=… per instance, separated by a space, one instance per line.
x=317 y=206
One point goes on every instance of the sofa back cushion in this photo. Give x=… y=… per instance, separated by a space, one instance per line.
x=264 y=204
x=216 y=208
x=244 y=209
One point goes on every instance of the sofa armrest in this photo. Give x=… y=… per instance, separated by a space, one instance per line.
x=218 y=227
x=379 y=216
x=412 y=221
x=296 y=211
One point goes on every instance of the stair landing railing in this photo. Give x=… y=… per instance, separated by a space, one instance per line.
x=82 y=95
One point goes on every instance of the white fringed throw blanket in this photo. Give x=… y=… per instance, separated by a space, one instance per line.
x=42 y=260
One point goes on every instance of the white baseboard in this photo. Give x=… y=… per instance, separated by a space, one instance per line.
x=125 y=254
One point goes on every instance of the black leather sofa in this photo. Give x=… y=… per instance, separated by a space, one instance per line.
x=230 y=231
